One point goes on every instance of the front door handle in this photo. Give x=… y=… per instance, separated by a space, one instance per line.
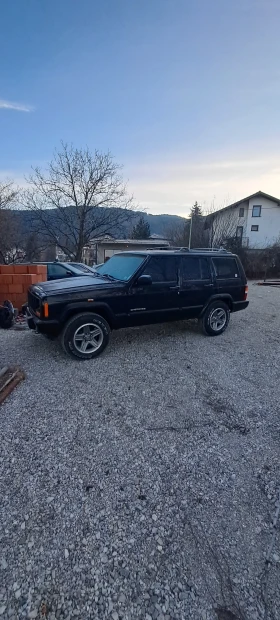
x=174 y=288
x=208 y=285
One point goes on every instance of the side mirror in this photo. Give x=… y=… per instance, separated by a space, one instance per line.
x=69 y=274
x=144 y=281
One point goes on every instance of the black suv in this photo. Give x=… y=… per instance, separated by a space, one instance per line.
x=137 y=288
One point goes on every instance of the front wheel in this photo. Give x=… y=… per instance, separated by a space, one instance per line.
x=216 y=318
x=85 y=336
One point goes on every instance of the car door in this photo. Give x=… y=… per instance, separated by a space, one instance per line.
x=158 y=301
x=196 y=284
x=228 y=277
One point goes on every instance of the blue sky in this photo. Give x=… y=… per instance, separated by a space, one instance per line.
x=185 y=93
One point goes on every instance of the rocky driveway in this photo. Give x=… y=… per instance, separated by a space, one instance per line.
x=144 y=484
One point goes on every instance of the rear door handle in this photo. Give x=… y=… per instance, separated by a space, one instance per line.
x=174 y=288
x=208 y=285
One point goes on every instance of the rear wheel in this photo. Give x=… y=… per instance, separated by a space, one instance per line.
x=216 y=318
x=85 y=336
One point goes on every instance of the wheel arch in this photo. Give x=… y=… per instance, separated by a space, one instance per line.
x=226 y=298
x=101 y=309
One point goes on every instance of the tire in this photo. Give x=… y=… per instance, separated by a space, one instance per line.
x=212 y=312
x=85 y=336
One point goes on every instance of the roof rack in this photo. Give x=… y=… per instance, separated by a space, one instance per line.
x=177 y=249
x=210 y=250
x=173 y=248
x=161 y=248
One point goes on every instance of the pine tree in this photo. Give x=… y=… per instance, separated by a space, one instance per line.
x=141 y=230
x=197 y=229
x=196 y=210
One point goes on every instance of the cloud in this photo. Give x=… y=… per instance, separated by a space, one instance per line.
x=20 y=107
x=173 y=186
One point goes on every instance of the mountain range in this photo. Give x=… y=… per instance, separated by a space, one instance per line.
x=159 y=224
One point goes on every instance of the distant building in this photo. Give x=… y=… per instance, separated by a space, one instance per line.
x=99 y=250
x=158 y=237
x=61 y=256
x=254 y=220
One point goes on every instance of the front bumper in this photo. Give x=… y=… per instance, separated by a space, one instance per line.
x=42 y=326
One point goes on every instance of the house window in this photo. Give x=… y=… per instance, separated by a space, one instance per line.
x=255 y=228
x=241 y=212
x=256 y=212
x=239 y=232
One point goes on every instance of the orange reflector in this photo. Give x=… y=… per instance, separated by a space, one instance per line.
x=246 y=292
x=46 y=310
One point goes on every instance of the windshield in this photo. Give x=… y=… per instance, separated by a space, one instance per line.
x=121 y=267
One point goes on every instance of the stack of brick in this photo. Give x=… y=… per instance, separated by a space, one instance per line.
x=16 y=279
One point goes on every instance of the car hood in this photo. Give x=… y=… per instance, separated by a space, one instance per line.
x=68 y=285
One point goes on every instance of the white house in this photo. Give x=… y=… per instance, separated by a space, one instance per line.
x=255 y=220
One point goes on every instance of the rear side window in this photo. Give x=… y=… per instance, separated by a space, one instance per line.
x=195 y=268
x=162 y=269
x=225 y=268
x=56 y=271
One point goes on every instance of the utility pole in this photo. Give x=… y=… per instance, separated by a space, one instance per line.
x=190 y=235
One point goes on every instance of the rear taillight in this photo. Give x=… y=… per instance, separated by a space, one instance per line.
x=245 y=292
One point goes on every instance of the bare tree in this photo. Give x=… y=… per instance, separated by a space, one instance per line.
x=32 y=248
x=8 y=195
x=8 y=201
x=81 y=196
x=220 y=226
x=178 y=234
x=13 y=241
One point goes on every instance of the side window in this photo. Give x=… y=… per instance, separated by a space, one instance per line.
x=56 y=271
x=195 y=268
x=205 y=269
x=162 y=269
x=190 y=268
x=225 y=268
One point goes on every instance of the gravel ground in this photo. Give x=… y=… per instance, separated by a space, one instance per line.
x=143 y=484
